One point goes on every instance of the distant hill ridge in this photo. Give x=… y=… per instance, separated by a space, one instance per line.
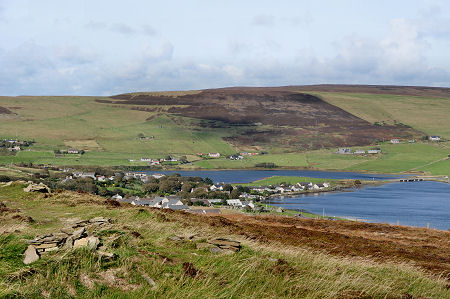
x=282 y=115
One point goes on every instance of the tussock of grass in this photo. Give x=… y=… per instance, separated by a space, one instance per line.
x=257 y=271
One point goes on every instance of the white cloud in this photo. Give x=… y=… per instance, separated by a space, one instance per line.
x=263 y=20
x=122 y=28
x=402 y=49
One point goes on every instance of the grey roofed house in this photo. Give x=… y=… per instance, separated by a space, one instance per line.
x=143 y=202
x=305 y=184
x=127 y=200
x=171 y=202
x=215 y=200
x=88 y=175
x=178 y=207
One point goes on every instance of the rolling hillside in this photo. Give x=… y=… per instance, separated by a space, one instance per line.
x=298 y=126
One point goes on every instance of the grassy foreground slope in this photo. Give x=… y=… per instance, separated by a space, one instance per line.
x=280 y=257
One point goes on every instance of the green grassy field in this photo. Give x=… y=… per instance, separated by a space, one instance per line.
x=140 y=240
x=109 y=134
x=395 y=158
x=426 y=114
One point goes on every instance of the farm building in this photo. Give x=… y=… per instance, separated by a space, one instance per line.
x=343 y=150
x=435 y=138
x=73 y=151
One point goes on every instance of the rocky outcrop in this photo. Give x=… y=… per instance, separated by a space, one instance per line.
x=31 y=255
x=225 y=244
x=42 y=188
x=80 y=234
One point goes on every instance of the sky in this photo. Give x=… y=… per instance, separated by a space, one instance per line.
x=107 y=47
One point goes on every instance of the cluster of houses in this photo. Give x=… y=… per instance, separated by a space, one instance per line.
x=14 y=145
x=430 y=138
x=274 y=189
x=235 y=157
x=299 y=187
x=173 y=202
x=348 y=151
x=92 y=175
x=249 y=154
x=141 y=175
x=153 y=162
x=241 y=156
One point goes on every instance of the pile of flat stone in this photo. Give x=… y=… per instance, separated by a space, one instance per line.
x=41 y=187
x=225 y=244
x=79 y=234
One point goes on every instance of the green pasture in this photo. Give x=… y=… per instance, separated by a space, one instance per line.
x=427 y=114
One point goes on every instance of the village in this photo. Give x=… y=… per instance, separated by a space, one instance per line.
x=174 y=192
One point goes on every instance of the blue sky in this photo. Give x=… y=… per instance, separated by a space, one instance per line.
x=100 y=47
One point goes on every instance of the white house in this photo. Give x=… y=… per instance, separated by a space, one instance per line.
x=116 y=197
x=343 y=150
x=360 y=152
x=435 y=138
x=100 y=178
x=395 y=140
x=216 y=187
x=374 y=151
x=72 y=151
x=248 y=204
x=234 y=203
x=320 y=186
x=214 y=155
x=170 y=203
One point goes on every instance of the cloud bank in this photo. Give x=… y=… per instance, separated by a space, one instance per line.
x=145 y=56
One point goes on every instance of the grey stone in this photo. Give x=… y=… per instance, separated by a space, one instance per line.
x=80 y=243
x=78 y=233
x=51 y=249
x=31 y=255
x=224 y=242
x=46 y=245
x=149 y=280
x=106 y=255
x=215 y=249
x=69 y=243
x=99 y=220
x=67 y=230
x=92 y=242
x=37 y=188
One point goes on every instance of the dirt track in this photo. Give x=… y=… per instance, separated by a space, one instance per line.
x=429 y=249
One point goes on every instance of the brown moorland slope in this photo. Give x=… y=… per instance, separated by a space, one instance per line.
x=268 y=115
x=426 y=248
